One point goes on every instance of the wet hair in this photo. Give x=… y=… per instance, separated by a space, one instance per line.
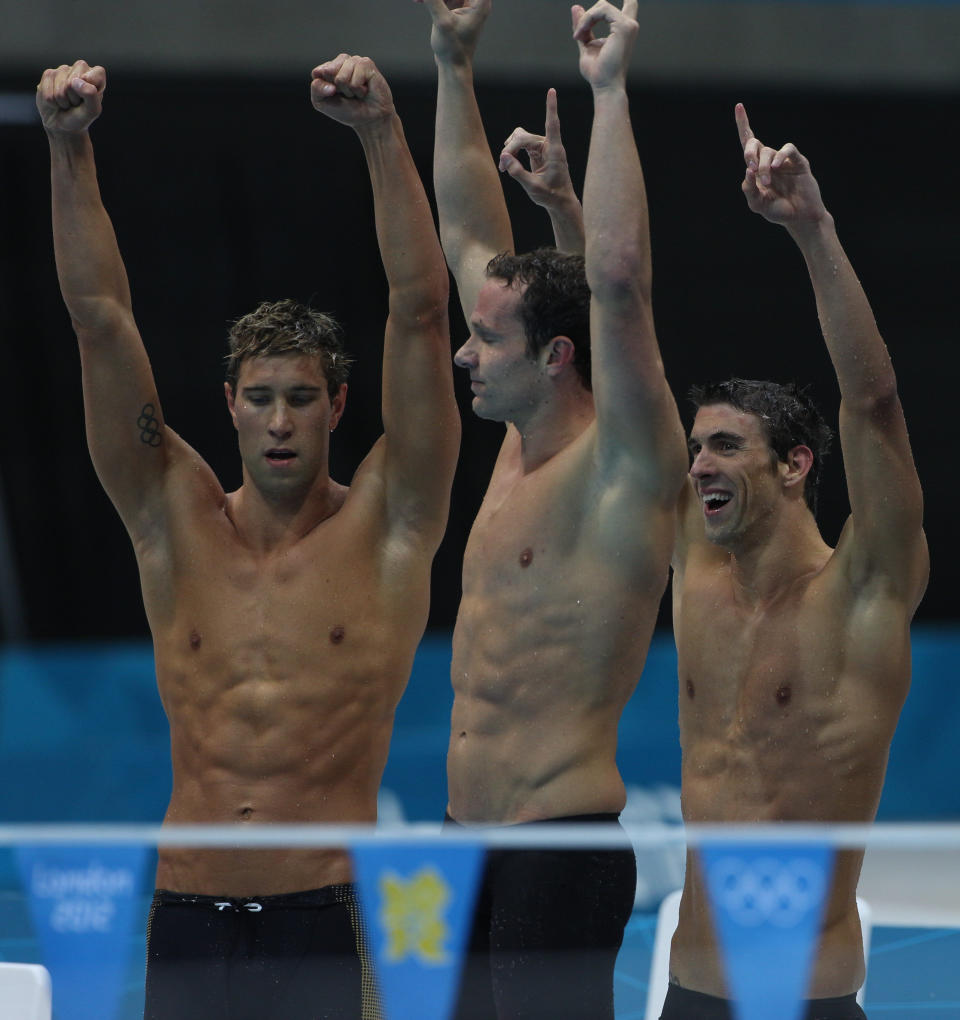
x=787 y=415
x=288 y=327
x=555 y=300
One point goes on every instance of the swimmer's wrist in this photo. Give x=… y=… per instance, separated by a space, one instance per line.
x=813 y=229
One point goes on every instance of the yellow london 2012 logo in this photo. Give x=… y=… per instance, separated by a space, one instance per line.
x=412 y=915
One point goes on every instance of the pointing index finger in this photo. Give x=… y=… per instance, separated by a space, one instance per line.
x=743 y=125
x=552 y=121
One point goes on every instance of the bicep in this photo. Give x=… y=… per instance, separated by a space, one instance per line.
x=421 y=424
x=126 y=435
x=637 y=416
x=885 y=535
x=469 y=269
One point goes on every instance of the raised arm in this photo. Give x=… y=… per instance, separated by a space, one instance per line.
x=547 y=182
x=638 y=426
x=125 y=432
x=884 y=490
x=474 y=225
x=420 y=417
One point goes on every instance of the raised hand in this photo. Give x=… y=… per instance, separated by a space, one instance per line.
x=778 y=183
x=70 y=97
x=604 y=60
x=456 y=27
x=547 y=182
x=350 y=90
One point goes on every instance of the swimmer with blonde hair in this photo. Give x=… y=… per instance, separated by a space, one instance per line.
x=285 y=615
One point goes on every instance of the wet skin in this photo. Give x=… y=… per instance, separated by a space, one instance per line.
x=789 y=690
x=279 y=663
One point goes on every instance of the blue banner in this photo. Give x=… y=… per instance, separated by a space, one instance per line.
x=767 y=904
x=417 y=903
x=83 y=903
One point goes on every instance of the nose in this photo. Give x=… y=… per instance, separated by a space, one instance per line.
x=702 y=466
x=466 y=357
x=280 y=426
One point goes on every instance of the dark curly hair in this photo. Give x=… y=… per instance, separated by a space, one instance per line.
x=555 y=300
x=787 y=415
x=288 y=327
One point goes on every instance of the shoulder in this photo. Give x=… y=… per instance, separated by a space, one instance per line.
x=368 y=514
x=625 y=516
x=898 y=576
x=189 y=488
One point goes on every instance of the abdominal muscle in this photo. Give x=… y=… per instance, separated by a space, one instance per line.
x=838 y=967
x=731 y=789
x=534 y=721
x=253 y=750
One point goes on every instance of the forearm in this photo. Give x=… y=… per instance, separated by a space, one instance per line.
x=409 y=248
x=859 y=355
x=614 y=201
x=472 y=210
x=423 y=433
x=93 y=280
x=637 y=421
x=566 y=219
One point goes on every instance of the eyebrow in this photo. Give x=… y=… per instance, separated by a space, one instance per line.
x=723 y=437
x=265 y=388
x=479 y=327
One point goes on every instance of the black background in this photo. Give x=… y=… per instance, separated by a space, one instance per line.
x=226 y=195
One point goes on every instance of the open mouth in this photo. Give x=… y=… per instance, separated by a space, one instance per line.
x=280 y=456
x=714 y=502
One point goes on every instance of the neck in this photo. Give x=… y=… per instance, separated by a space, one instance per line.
x=554 y=425
x=764 y=565
x=267 y=521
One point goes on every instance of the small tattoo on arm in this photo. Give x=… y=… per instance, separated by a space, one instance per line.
x=149 y=426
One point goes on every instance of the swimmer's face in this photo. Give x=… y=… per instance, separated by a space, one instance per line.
x=735 y=472
x=506 y=382
x=284 y=415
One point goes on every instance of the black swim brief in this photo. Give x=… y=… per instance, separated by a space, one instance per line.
x=298 y=956
x=683 y=1004
x=547 y=928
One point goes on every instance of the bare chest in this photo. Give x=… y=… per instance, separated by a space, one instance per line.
x=752 y=673
x=524 y=536
x=318 y=612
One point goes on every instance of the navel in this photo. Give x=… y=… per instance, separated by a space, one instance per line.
x=246 y=813
x=784 y=694
x=195 y=640
x=337 y=634
x=691 y=690
x=526 y=557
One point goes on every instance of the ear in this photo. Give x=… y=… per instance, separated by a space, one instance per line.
x=559 y=353
x=337 y=405
x=228 y=393
x=797 y=467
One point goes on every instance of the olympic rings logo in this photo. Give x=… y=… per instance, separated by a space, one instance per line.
x=767 y=890
x=149 y=426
